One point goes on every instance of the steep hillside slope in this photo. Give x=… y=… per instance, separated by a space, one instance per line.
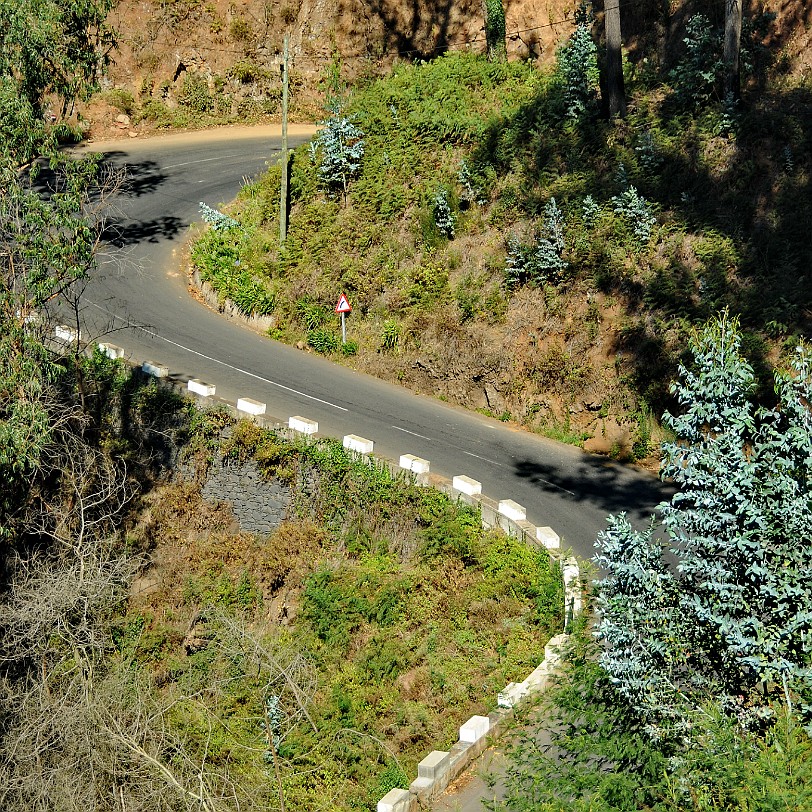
x=508 y=249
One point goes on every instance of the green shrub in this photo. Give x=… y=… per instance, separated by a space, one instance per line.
x=155 y=111
x=194 y=94
x=122 y=100
x=240 y=30
x=246 y=72
x=323 y=340
x=390 y=335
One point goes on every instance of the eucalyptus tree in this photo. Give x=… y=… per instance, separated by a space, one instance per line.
x=731 y=623
x=51 y=53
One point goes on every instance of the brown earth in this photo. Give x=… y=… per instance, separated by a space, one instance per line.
x=572 y=352
x=237 y=46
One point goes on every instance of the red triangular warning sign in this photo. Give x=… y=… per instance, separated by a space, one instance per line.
x=343 y=306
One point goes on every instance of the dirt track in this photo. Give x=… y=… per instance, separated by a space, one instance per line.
x=225 y=133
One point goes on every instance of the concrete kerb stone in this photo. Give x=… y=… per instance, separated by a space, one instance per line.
x=154 y=369
x=112 y=351
x=201 y=388
x=548 y=537
x=303 y=425
x=573 y=602
x=432 y=775
x=441 y=767
x=251 y=406
x=512 y=510
x=397 y=800
x=467 y=485
x=474 y=729
x=417 y=465
x=67 y=334
x=352 y=442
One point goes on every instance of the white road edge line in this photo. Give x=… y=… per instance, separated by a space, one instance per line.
x=413 y=433
x=484 y=459
x=205 y=160
x=218 y=361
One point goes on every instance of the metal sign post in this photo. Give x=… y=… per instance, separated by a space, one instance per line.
x=343 y=307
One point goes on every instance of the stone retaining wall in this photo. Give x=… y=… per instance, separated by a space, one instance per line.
x=258 y=505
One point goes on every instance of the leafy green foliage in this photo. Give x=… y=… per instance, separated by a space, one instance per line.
x=323 y=340
x=582 y=750
x=697 y=75
x=577 y=69
x=217 y=256
x=732 y=621
x=410 y=616
x=338 y=150
x=47 y=48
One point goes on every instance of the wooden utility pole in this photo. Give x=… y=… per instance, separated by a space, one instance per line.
x=283 y=194
x=733 y=38
x=615 y=89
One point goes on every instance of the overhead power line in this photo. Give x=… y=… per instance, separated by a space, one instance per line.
x=436 y=49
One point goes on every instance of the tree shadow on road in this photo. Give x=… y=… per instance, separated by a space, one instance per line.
x=140 y=177
x=120 y=233
x=612 y=487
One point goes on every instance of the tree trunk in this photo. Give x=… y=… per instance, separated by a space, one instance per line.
x=733 y=38
x=495 y=30
x=615 y=90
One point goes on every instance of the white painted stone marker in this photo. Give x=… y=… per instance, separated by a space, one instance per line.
x=396 y=800
x=155 y=369
x=417 y=465
x=464 y=484
x=548 y=537
x=513 y=510
x=251 y=406
x=511 y=694
x=302 y=425
x=474 y=729
x=111 y=351
x=360 y=444
x=201 y=388
x=65 y=333
x=571 y=574
x=433 y=764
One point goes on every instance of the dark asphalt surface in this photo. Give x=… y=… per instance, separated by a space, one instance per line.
x=140 y=302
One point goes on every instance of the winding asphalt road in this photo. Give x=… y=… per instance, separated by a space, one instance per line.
x=139 y=301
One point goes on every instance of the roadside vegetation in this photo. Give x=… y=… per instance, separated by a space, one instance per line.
x=152 y=656
x=378 y=618
x=506 y=247
x=692 y=689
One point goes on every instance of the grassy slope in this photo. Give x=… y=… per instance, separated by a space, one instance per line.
x=385 y=602
x=591 y=354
